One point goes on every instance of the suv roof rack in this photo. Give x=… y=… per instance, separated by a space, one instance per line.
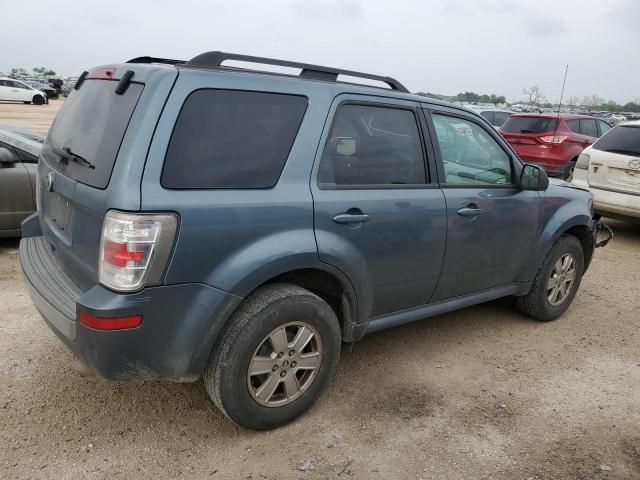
x=146 y=59
x=316 y=72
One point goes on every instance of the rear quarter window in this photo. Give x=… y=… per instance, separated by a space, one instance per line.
x=232 y=139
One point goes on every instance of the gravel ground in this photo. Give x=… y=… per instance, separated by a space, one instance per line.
x=482 y=393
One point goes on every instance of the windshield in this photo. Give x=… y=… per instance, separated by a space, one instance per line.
x=90 y=126
x=621 y=139
x=529 y=124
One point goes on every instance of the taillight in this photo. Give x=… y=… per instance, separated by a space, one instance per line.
x=135 y=248
x=583 y=161
x=553 y=138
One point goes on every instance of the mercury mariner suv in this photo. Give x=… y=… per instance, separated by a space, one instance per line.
x=203 y=219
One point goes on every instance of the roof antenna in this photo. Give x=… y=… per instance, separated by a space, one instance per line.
x=555 y=130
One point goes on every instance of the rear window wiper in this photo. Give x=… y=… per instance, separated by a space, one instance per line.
x=67 y=154
x=528 y=131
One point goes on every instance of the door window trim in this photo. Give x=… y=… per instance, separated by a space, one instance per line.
x=513 y=160
x=426 y=153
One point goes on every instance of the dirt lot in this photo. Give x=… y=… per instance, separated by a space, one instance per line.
x=483 y=393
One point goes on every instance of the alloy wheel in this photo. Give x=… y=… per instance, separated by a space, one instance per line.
x=561 y=279
x=285 y=364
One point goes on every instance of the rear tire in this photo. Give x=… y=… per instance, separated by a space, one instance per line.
x=235 y=379
x=38 y=100
x=568 y=174
x=544 y=302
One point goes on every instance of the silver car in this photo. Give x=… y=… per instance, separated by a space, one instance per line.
x=19 y=152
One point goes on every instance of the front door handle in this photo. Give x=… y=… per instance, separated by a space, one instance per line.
x=470 y=211
x=345 y=218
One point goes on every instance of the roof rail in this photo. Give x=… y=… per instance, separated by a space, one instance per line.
x=145 y=59
x=317 y=72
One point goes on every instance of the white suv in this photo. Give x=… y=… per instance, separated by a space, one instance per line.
x=610 y=168
x=16 y=91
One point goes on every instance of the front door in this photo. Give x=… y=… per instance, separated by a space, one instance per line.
x=492 y=223
x=378 y=218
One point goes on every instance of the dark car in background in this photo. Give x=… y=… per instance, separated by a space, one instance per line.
x=552 y=141
x=19 y=152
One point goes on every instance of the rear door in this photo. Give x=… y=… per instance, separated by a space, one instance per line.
x=491 y=222
x=378 y=215
x=615 y=161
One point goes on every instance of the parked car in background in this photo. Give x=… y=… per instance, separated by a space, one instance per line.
x=12 y=90
x=551 y=140
x=495 y=115
x=610 y=168
x=48 y=90
x=19 y=152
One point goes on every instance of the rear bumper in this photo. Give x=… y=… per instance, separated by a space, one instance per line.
x=612 y=203
x=179 y=328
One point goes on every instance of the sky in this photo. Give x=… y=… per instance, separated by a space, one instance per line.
x=439 y=46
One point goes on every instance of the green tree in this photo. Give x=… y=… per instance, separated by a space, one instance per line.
x=18 y=72
x=497 y=100
x=43 y=71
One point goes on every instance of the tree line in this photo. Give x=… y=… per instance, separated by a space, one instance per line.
x=37 y=72
x=535 y=97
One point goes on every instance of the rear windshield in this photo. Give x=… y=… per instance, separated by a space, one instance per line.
x=91 y=124
x=621 y=139
x=529 y=124
x=232 y=139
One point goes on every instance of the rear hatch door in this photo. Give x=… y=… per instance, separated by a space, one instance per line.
x=615 y=160
x=91 y=161
x=523 y=134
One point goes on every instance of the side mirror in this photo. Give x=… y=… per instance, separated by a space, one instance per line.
x=7 y=157
x=533 y=178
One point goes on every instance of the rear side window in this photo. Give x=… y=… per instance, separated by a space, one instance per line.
x=373 y=146
x=574 y=125
x=621 y=139
x=529 y=124
x=232 y=139
x=604 y=127
x=588 y=127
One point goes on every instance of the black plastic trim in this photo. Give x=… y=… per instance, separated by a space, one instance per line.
x=215 y=59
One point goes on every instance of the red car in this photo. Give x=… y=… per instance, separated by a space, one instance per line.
x=551 y=140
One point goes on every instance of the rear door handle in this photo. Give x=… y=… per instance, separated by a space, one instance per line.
x=344 y=218
x=470 y=212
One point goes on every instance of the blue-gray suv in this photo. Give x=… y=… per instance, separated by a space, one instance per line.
x=199 y=219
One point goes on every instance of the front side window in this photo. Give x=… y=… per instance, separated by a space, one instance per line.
x=469 y=154
x=232 y=139
x=375 y=146
x=588 y=127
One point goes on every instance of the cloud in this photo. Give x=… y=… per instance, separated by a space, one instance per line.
x=625 y=13
x=328 y=8
x=539 y=26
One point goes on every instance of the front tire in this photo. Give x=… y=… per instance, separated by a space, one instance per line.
x=275 y=357
x=556 y=282
x=38 y=100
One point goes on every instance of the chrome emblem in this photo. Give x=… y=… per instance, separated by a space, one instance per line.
x=50 y=181
x=634 y=164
